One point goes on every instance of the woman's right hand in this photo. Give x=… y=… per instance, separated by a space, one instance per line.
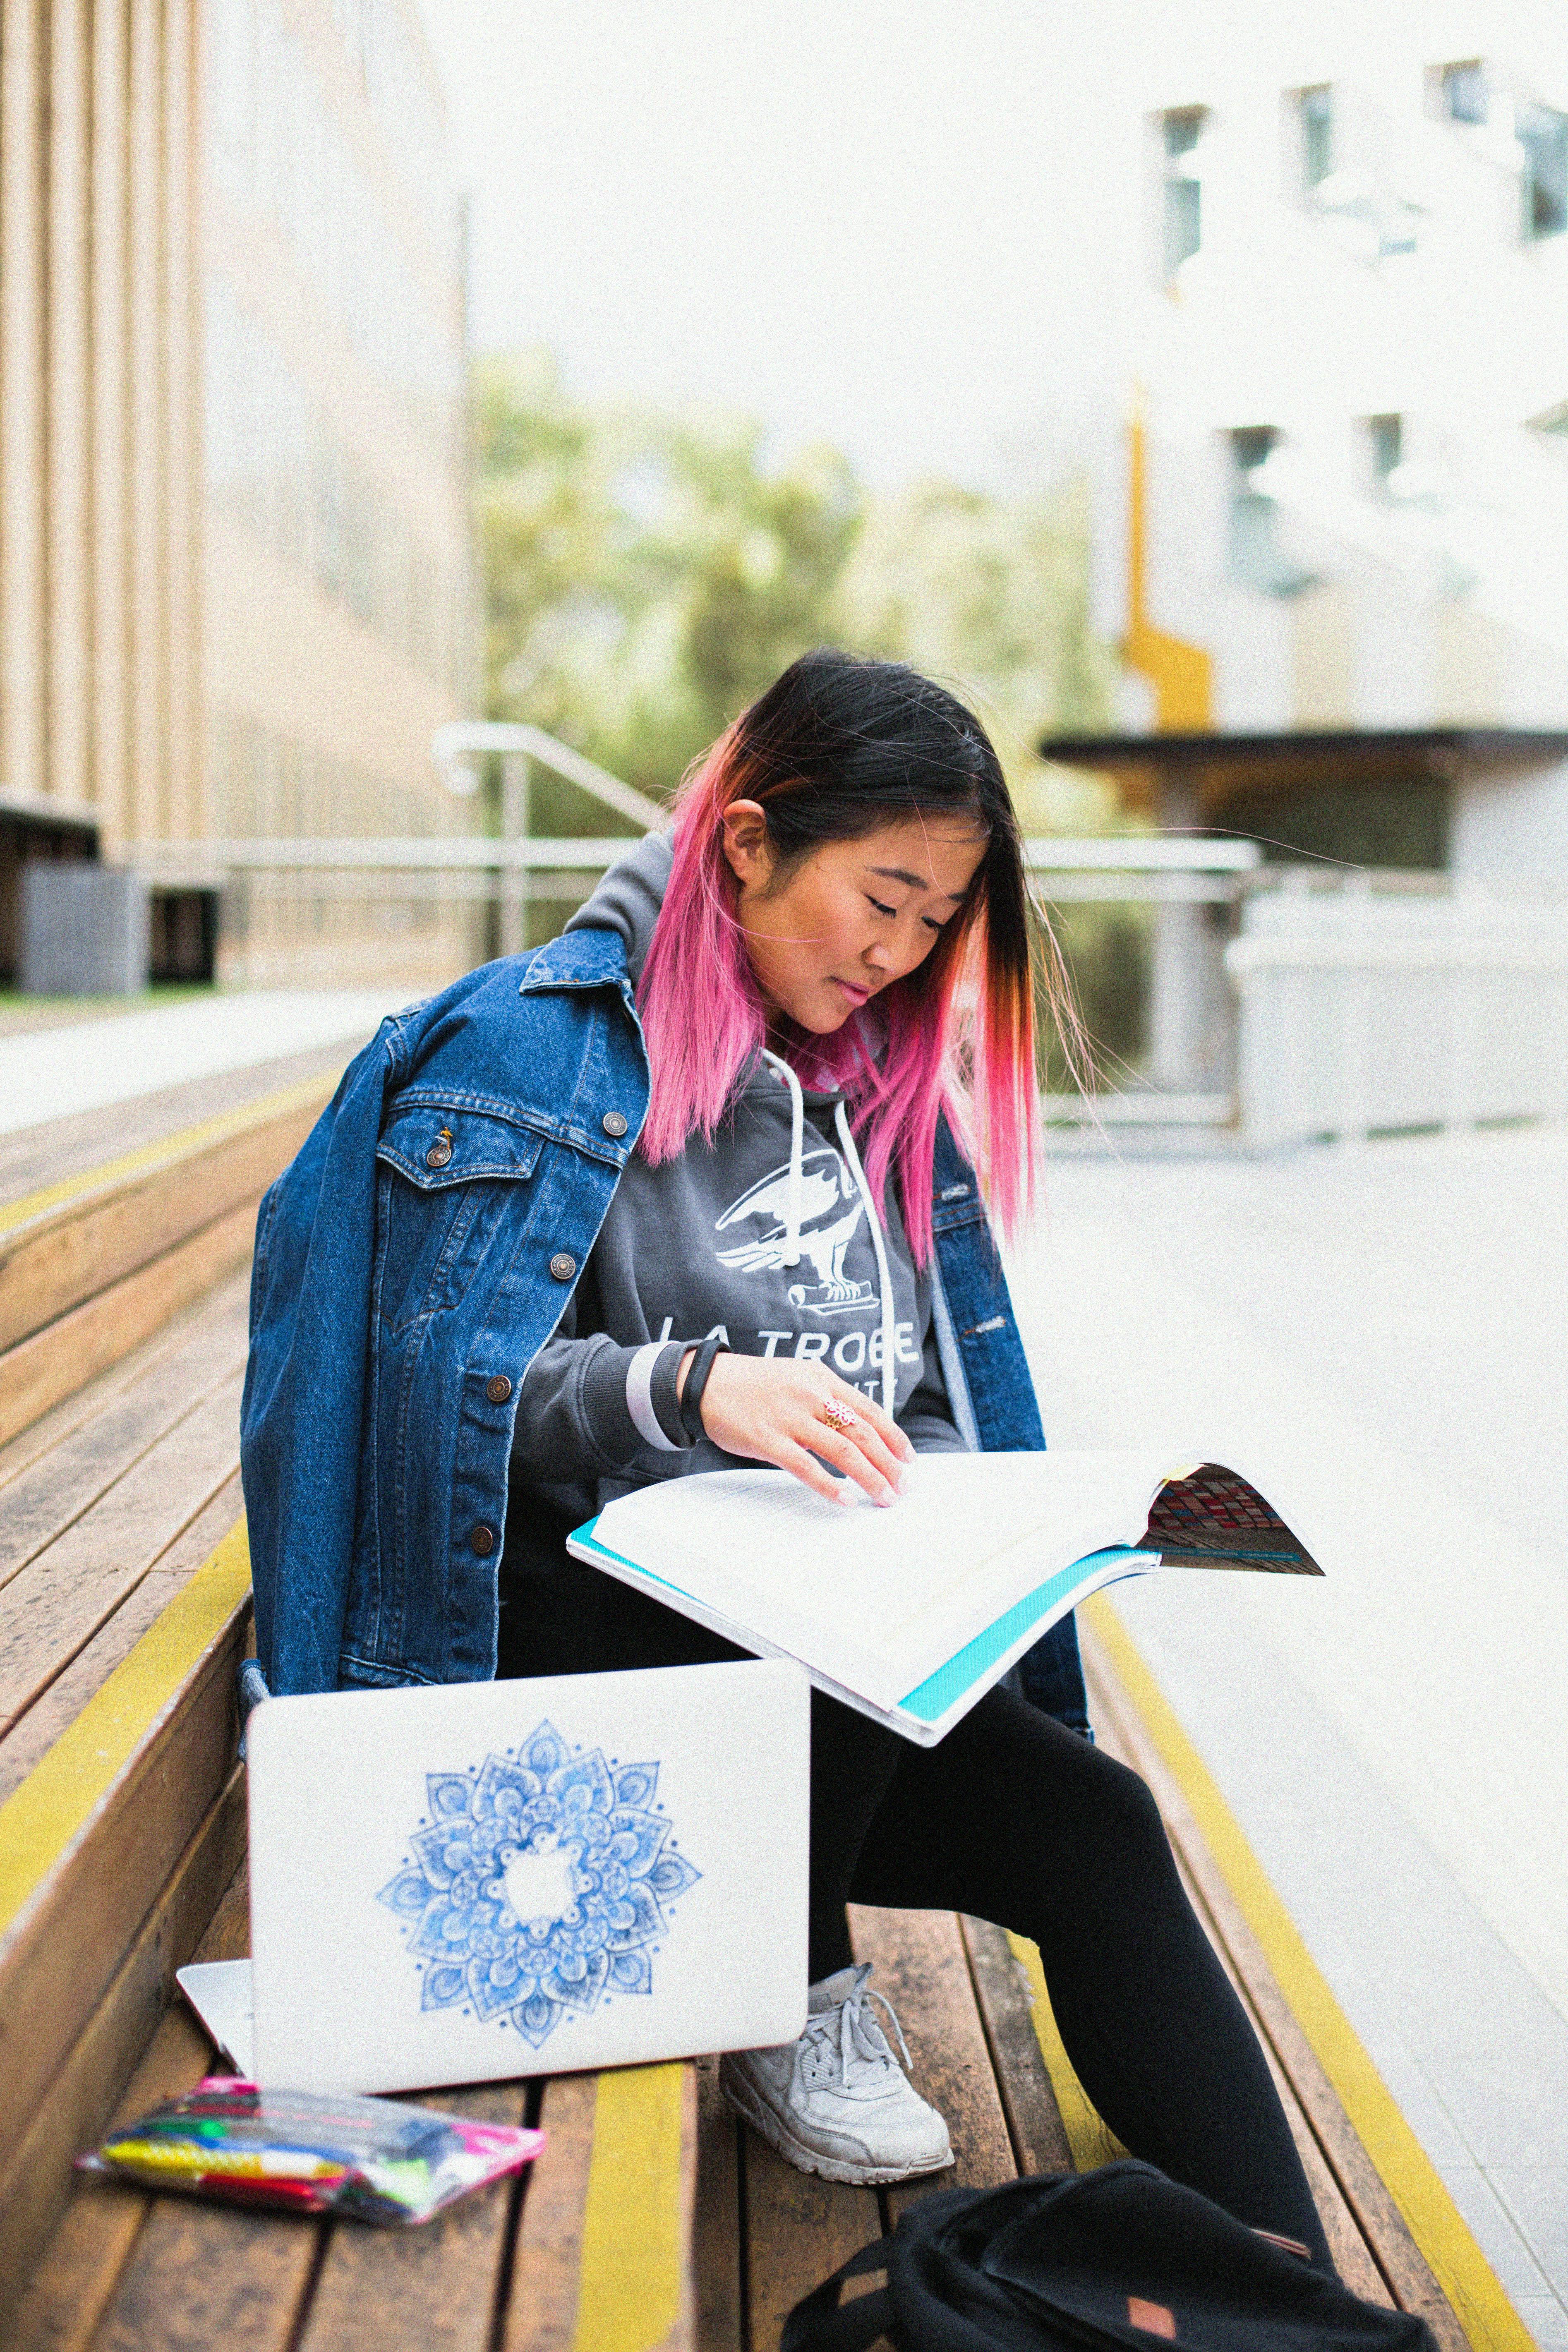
x=767 y=1410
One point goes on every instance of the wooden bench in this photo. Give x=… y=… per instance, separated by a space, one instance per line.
x=124 y=1605
x=654 y=2219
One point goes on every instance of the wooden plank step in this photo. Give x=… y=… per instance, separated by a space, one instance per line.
x=65 y=2300
x=96 y=1395
x=42 y=1371
x=52 y=1714
x=922 y=1968
x=547 y=2261
x=90 y=1841
x=1028 y=2097
x=796 y=2229
x=92 y=1265
x=604 y=2256
x=70 y=2109
x=438 y=2287
x=66 y=1151
x=719 y=2322
x=53 y=1606
x=139 y=1206
x=54 y=1488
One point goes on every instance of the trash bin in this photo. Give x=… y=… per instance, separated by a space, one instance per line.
x=84 y=929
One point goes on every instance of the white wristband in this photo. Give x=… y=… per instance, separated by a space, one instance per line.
x=639 y=1398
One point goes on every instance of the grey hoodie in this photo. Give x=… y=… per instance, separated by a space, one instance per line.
x=766 y=1236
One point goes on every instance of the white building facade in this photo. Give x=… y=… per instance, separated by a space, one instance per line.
x=1341 y=501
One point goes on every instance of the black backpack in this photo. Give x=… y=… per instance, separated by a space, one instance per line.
x=1066 y=2261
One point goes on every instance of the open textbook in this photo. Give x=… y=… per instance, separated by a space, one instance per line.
x=911 y=1614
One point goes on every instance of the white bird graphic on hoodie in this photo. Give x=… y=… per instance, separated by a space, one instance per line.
x=826 y=1187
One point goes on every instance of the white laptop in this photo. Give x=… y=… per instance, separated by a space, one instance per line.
x=492 y=1879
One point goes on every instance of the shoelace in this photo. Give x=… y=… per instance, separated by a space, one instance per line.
x=860 y=2034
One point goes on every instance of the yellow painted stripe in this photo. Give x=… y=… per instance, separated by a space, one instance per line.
x=40 y=1818
x=634 y=2222
x=1091 y=2140
x=160 y=1153
x=1435 y=2222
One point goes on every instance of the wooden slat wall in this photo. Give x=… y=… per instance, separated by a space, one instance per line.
x=181 y=418
x=23 y=425
x=99 y=497
x=145 y=802
x=111 y=419
x=66 y=547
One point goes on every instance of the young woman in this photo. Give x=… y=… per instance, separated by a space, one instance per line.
x=686 y=1187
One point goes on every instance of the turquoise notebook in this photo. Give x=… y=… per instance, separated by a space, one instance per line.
x=911 y=1612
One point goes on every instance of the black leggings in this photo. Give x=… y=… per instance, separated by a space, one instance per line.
x=1016 y=1820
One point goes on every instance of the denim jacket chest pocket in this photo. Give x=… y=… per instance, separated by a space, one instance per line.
x=446 y=1178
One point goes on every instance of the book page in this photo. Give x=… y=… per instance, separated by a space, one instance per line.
x=1213 y=1517
x=880 y=1596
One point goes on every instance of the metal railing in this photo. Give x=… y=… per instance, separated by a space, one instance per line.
x=1362 y=1013
x=1315 y=1006
x=322 y=879
x=452 y=749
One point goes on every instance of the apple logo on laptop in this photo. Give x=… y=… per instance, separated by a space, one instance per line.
x=537 y=1879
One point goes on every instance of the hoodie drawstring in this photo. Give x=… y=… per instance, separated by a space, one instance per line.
x=796 y=1155
x=794 y=1210
x=889 y=1358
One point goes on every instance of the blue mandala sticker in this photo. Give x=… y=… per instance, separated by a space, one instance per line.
x=539 y=1884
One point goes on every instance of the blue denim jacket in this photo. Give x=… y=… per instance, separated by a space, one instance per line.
x=411 y=1262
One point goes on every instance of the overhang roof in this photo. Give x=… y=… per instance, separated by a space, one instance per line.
x=37 y=810
x=1314 y=755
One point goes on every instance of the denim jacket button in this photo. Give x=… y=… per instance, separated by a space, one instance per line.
x=498 y=1390
x=612 y=1123
x=482 y=1540
x=562 y=1266
x=438 y=1155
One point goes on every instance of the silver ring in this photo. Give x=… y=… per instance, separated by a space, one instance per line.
x=840 y=1416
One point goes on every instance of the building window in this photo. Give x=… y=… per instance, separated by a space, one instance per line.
x=1465 y=95
x=1254 y=517
x=1542 y=133
x=1257 y=559
x=1315 y=108
x=1180 y=130
x=1385 y=447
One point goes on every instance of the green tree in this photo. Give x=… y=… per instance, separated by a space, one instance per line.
x=645 y=577
x=991 y=594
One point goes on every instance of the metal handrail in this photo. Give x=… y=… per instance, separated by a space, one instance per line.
x=425 y=853
x=449 y=743
x=1139 y=854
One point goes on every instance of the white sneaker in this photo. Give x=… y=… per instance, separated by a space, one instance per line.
x=837 y=2101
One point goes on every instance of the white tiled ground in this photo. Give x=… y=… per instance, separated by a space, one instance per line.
x=57 y=1071
x=1383 y=1331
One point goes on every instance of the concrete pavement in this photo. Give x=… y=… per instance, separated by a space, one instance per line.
x=59 y=1071
x=1384 y=1329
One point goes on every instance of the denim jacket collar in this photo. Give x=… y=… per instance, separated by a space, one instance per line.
x=585 y=959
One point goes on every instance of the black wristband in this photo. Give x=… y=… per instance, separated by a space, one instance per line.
x=702 y=1364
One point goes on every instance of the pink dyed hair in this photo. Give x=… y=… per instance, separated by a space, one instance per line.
x=958 y=1032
